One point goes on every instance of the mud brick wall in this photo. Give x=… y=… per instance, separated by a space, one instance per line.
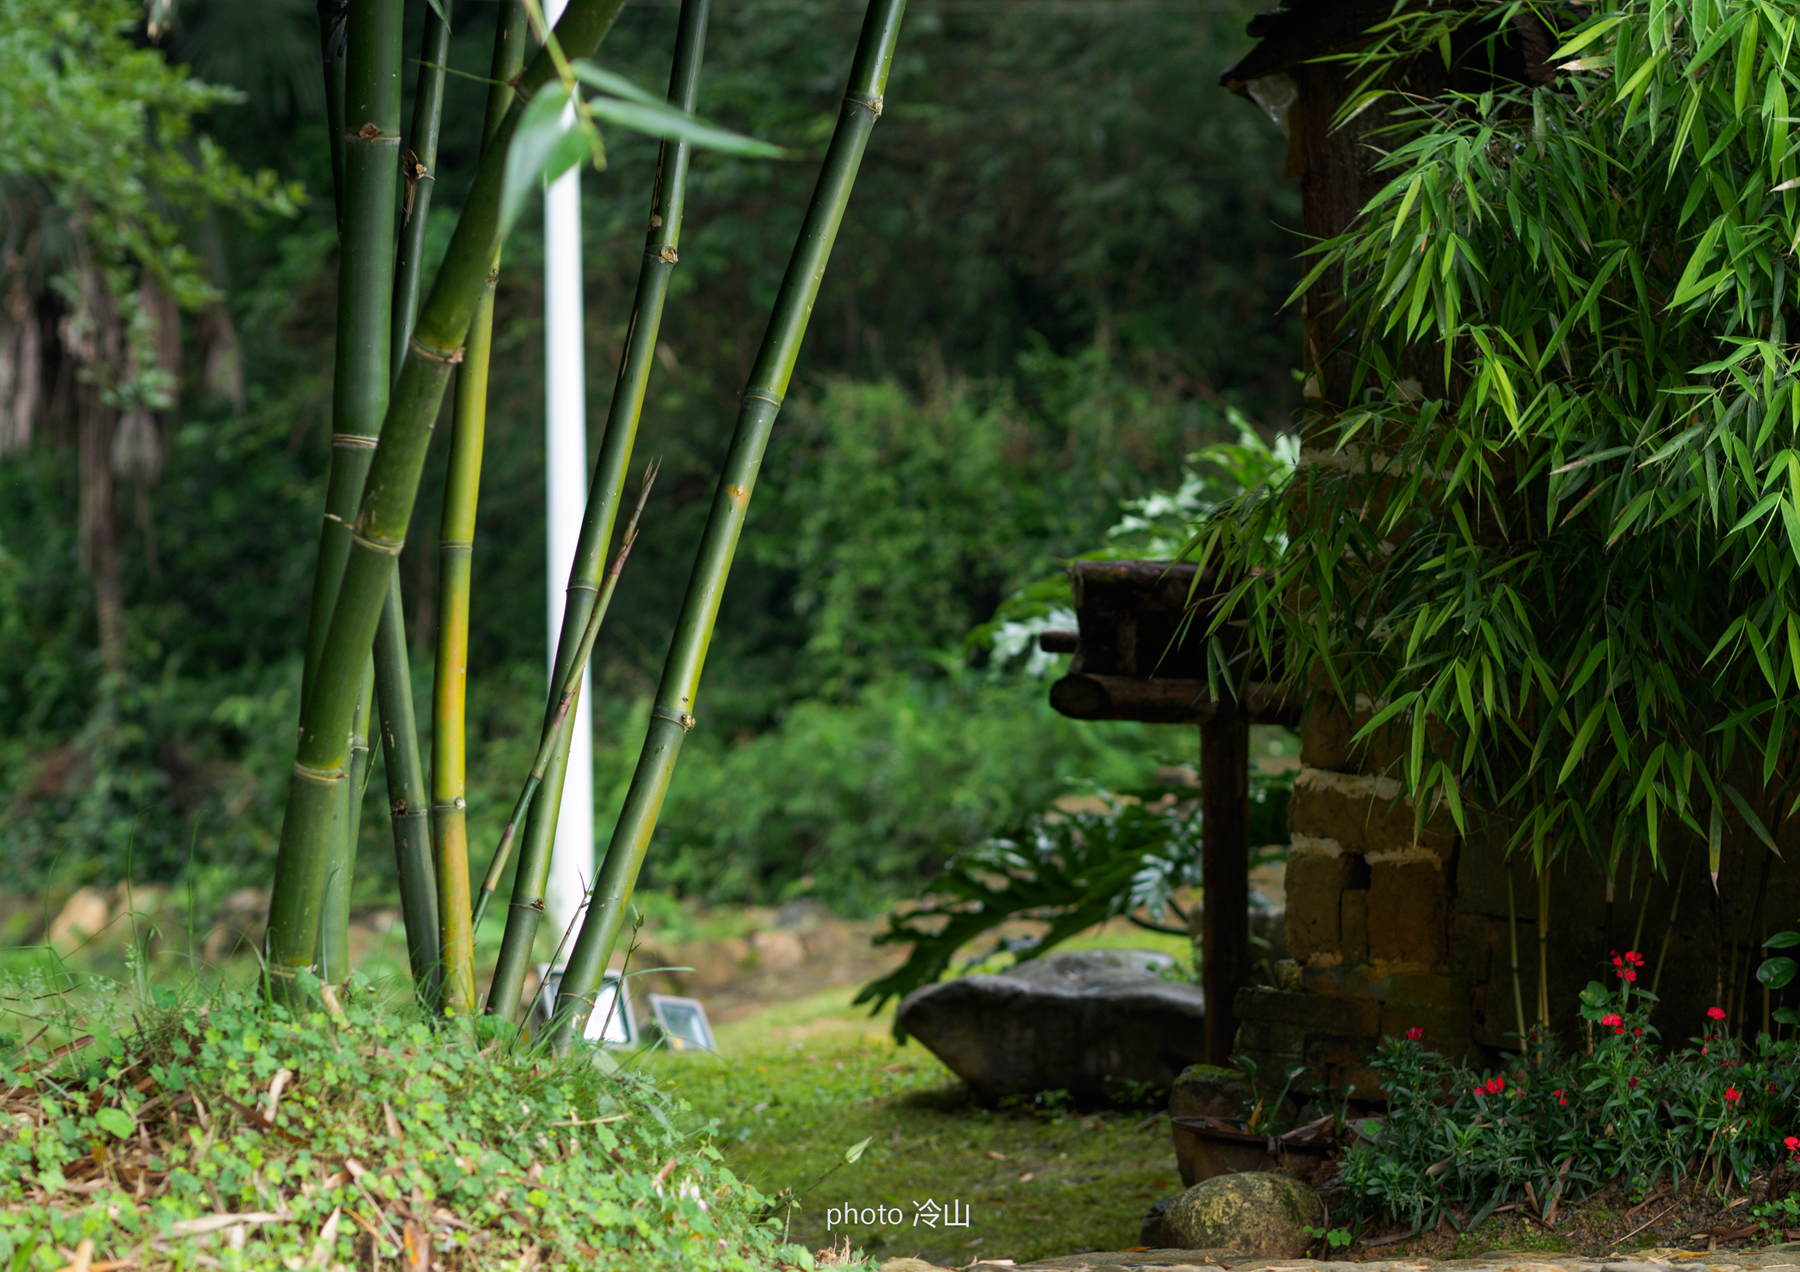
x=1392 y=924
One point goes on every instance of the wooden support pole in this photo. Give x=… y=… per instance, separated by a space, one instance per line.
x=1225 y=865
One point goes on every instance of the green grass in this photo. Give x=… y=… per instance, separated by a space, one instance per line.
x=221 y=1131
x=797 y=1085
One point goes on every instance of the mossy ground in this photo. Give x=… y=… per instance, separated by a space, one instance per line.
x=796 y=1086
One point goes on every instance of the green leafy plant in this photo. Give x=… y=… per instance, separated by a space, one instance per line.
x=1777 y=972
x=1560 y=522
x=1549 y=1126
x=1069 y=870
x=1334 y=1238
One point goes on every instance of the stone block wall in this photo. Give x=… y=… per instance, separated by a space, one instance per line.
x=1393 y=924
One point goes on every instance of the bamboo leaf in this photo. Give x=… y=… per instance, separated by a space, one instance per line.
x=673 y=125
x=1581 y=741
x=535 y=141
x=612 y=82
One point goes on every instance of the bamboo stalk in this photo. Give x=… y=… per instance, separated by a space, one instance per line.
x=331 y=47
x=1637 y=935
x=672 y=715
x=1669 y=933
x=363 y=164
x=667 y=201
x=456 y=545
x=564 y=696
x=1512 y=924
x=379 y=528
x=370 y=141
x=408 y=803
x=1544 y=946
x=409 y=810
x=418 y=175
x=340 y=868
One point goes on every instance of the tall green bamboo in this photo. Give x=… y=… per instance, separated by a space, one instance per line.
x=676 y=694
x=456 y=542
x=661 y=241
x=379 y=529
x=366 y=180
x=564 y=694
x=370 y=137
x=409 y=809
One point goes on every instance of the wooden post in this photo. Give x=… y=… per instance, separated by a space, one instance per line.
x=1225 y=864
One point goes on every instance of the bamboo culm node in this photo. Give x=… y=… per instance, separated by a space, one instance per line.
x=768 y=384
x=564 y=696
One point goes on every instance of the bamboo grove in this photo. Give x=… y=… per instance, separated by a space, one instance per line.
x=1554 y=536
x=401 y=344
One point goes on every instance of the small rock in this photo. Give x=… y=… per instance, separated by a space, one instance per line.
x=1256 y=1212
x=1152 y=1233
x=83 y=915
x=1080 y=1021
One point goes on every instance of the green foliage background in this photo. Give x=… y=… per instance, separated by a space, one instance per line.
x=1064 y=261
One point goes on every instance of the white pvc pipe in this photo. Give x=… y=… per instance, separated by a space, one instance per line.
x=565 y=490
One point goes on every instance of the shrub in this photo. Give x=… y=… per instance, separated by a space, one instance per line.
x=1549 y=1125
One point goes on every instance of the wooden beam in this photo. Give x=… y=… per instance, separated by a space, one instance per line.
x=1093 y=697
x=1225 y=871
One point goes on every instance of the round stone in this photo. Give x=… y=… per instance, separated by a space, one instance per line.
x=1256 y=1212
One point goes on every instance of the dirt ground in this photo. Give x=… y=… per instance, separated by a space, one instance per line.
x=1695 y=1218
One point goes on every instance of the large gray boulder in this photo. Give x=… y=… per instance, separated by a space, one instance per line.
x=1085 y=1022
x=1257 y=1212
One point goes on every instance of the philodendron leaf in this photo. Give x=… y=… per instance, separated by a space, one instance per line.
x=1777 y=972
x=855 y=1151
x=1783 y=941
x=535 y=142
x=118 y=1121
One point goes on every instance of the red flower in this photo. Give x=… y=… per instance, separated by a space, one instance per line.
x=1732 y=1094
x=1628 y=975
x=1610 y=1020
x=1716 y=1013
x=1495 y=1086
x=1631 y=1082
x=1617 y=961
x=1634 y=958
x=1560 y=1097
x=1414 y=1034
x=1792 y=1143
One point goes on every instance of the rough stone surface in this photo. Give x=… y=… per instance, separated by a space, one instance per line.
x=1151 y=1234
x=1258 y=1212
x=1406 y=913
x=1315 y=886
x=1078 y=1021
